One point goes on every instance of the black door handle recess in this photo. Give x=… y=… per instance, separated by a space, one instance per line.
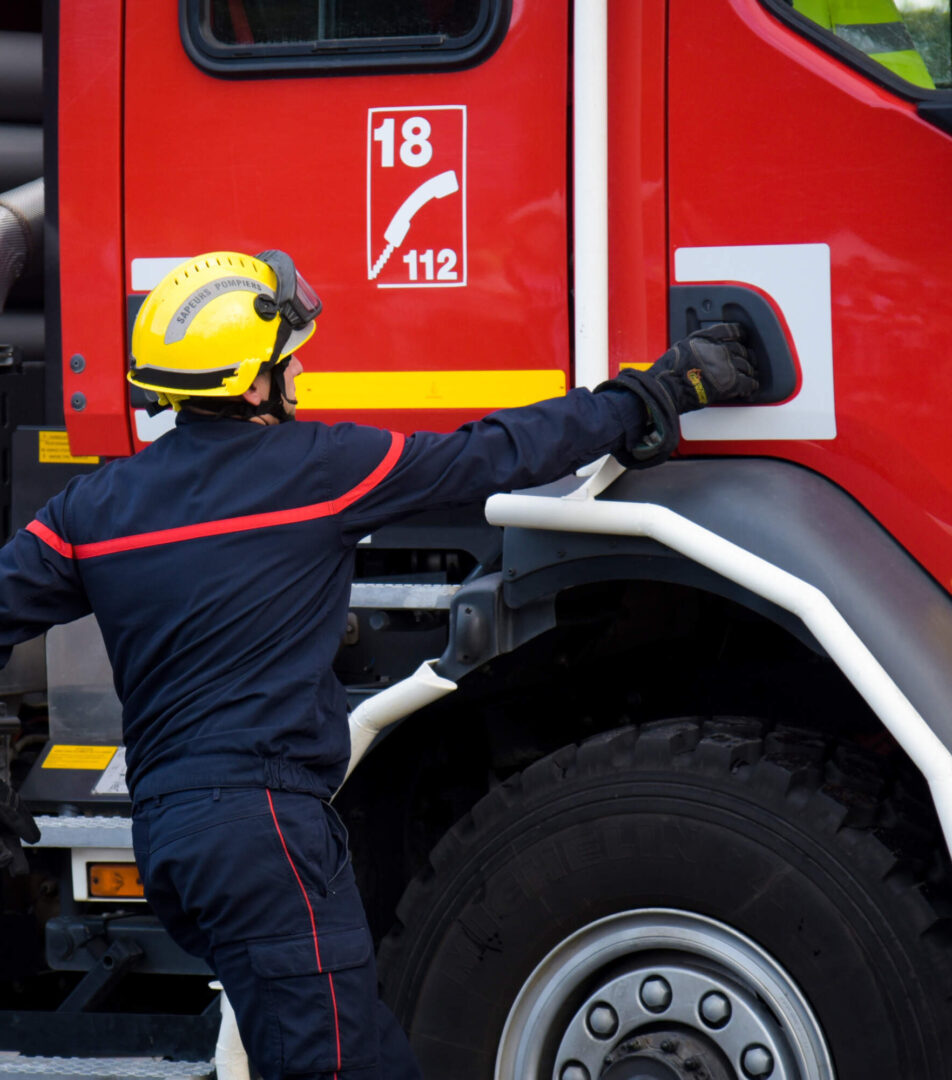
x=691 y=307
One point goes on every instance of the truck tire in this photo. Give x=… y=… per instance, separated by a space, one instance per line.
x=691 y=899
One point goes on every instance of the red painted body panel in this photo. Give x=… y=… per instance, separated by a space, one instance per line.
x=772 y=141
x=637 y=199
x=726 y=128
x=246 y=164
x=90 y=215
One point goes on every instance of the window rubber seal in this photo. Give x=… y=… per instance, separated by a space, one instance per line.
x=350 y=56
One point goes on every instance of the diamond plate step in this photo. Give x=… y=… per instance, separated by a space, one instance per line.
x=57 y=1068
x=69 y=832
x=395 y=596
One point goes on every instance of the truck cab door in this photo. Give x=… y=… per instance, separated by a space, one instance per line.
x=425 y=198
x=801 y=165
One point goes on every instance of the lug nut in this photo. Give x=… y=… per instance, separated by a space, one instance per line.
x=574 y=1070
x=715 y=1009
x=655 y=994
x=602 y=1021
x=757 y=1061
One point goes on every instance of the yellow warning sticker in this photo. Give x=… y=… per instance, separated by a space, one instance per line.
x=79 y=757
x=54 y=450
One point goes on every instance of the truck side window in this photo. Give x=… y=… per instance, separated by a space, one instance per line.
x=231 y=36
x=910 y=39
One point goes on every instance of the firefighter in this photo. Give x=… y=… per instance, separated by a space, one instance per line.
x=218 y=562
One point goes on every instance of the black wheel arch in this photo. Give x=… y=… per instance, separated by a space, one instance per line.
x=546 y=650
x=785 y=514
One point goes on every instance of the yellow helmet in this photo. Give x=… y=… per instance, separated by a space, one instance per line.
x=213 y=322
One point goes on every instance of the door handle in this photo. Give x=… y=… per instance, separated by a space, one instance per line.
x=692 y=307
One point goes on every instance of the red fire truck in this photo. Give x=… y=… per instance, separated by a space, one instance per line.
x=656 y=777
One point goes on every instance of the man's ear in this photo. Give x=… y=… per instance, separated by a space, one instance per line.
x=254 y=395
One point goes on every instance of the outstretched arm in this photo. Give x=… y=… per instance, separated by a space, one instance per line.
x=634 y=416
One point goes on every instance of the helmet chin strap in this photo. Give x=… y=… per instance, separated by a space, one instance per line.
x=277 y=402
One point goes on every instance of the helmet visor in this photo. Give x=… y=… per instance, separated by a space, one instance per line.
x=305 y=304
x=297 y=301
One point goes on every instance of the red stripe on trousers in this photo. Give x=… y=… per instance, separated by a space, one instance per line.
x=310 y=911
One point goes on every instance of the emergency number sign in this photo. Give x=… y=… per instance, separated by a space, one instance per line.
x=416 y=196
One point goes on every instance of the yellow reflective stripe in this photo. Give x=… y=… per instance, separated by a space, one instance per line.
x=876 y=28
x=426 y=389
x=817 y=10
x=864 y=11
x=908 y=65
x=640 y=366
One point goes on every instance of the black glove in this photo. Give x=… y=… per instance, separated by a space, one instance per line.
x=16 y=824
x=706 y=367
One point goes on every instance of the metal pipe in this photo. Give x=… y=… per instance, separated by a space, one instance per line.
x=25 y=329
x=21 y=233
x=231 y=1061
x=21 y=76
x=407 y=696
x=590 y=157
x=21 y=154
x=842 y=643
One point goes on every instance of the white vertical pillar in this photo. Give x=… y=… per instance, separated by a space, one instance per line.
x=591 y=191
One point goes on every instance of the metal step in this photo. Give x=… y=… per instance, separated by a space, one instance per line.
x=39 y=1068
x=93 y=832
x=422 y=597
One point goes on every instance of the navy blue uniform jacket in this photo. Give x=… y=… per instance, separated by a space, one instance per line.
x=218 y=562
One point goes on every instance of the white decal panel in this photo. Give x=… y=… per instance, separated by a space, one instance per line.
x=797 y=279
x=150 y=428
x=147 y=273
x=416 y=196
x=113 y=779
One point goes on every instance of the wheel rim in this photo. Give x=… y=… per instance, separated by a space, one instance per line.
x=659 y=993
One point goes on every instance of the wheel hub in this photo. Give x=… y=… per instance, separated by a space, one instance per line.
x=669 y=1054
x=661 y=995
x=723 y=1023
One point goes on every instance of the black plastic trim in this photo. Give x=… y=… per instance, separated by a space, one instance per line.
x=359 y=56
x=796 y=520
x=46 y=1033
x=938 y=113
x=184 y=381
x=858 y=60
x=691 y=307
x=74 y=942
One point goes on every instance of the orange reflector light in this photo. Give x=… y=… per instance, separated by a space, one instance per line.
x=114 y=879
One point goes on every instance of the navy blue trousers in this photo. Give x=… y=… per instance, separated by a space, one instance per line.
x=259 y=884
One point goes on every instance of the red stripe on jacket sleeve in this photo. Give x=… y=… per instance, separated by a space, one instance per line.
x=46 y=534
x=371 y=481
x=248 y=521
